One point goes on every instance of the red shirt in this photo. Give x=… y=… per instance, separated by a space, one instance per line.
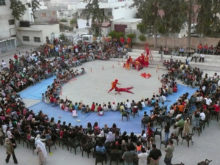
x=216 y=108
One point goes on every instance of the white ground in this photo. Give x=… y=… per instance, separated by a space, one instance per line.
x=93 y=86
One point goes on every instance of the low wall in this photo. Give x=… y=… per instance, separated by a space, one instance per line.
x=172 y=42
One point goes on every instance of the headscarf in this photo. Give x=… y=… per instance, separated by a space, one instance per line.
x=41 y=145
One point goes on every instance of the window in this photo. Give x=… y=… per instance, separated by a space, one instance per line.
x=11 y=21
x=36 y=39
x=26 y=38
x=2 y=2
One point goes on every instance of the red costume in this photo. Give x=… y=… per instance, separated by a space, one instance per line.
x=146 y=75
x=147 y=49
x=128 y=63
x=114 y=85
x=124 y=89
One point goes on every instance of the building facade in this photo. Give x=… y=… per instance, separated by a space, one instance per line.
x=7 y=27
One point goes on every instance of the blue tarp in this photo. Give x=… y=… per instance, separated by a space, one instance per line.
x=132 y=125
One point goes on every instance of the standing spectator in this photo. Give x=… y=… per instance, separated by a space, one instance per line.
x=186 y=127
x=154 y=155
x=41 y=150
x=10 y=150
x=142 y=157
x=167 y=131
x=130 y=155
x=169 y=153
x=202 y=58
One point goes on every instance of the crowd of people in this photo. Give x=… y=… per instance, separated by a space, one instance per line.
x=39 y=131
x=208 y=49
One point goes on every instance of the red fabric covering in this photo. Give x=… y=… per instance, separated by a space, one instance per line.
x=123 y=89
x=146 y=75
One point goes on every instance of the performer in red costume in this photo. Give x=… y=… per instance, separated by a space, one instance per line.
x=114 y=85
x=123 y=90
x=146 y=61
x=147 y=49
x=128 y=63
x=148 y=52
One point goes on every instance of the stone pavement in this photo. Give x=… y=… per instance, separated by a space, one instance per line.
x=205 y=146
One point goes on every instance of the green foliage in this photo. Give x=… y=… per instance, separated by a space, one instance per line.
x=142 y=38
x=116 y=35
x=175 y=12
x=160 y=16
x=63 y=20
x=18 y=9
x=73 y=21
x=142 y=28
x=208 y=19
x=96 y=14
x=62 y=37
x=147 y=10
x=131 y=35
x=34 y=5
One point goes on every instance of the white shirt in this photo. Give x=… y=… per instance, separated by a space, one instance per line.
x=9 y=134
x=143 y=104
x=128 y=105
x=4 y=64
x=202 y=116
x=114 y=107
x=4 y=128
x=142 y=158
x=208 y=101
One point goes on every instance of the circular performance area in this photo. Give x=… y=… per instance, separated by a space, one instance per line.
x=93 y=86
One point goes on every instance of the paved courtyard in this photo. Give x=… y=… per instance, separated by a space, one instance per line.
x=205 y=146
x=95 y=89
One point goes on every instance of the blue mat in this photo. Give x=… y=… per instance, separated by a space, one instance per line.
x=35 y=91
x=132 y=125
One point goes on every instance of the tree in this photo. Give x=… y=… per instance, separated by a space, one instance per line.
x=96 y=14
x=63 y=37
x=142 y=38
x=208 y=20
x=18 y=9
x=73 y=21
x=63 y=20
x=116 y=35
x=160 y=16
x=34 y=5
x=174 y=16
x=173 y=13
x=148 y=10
